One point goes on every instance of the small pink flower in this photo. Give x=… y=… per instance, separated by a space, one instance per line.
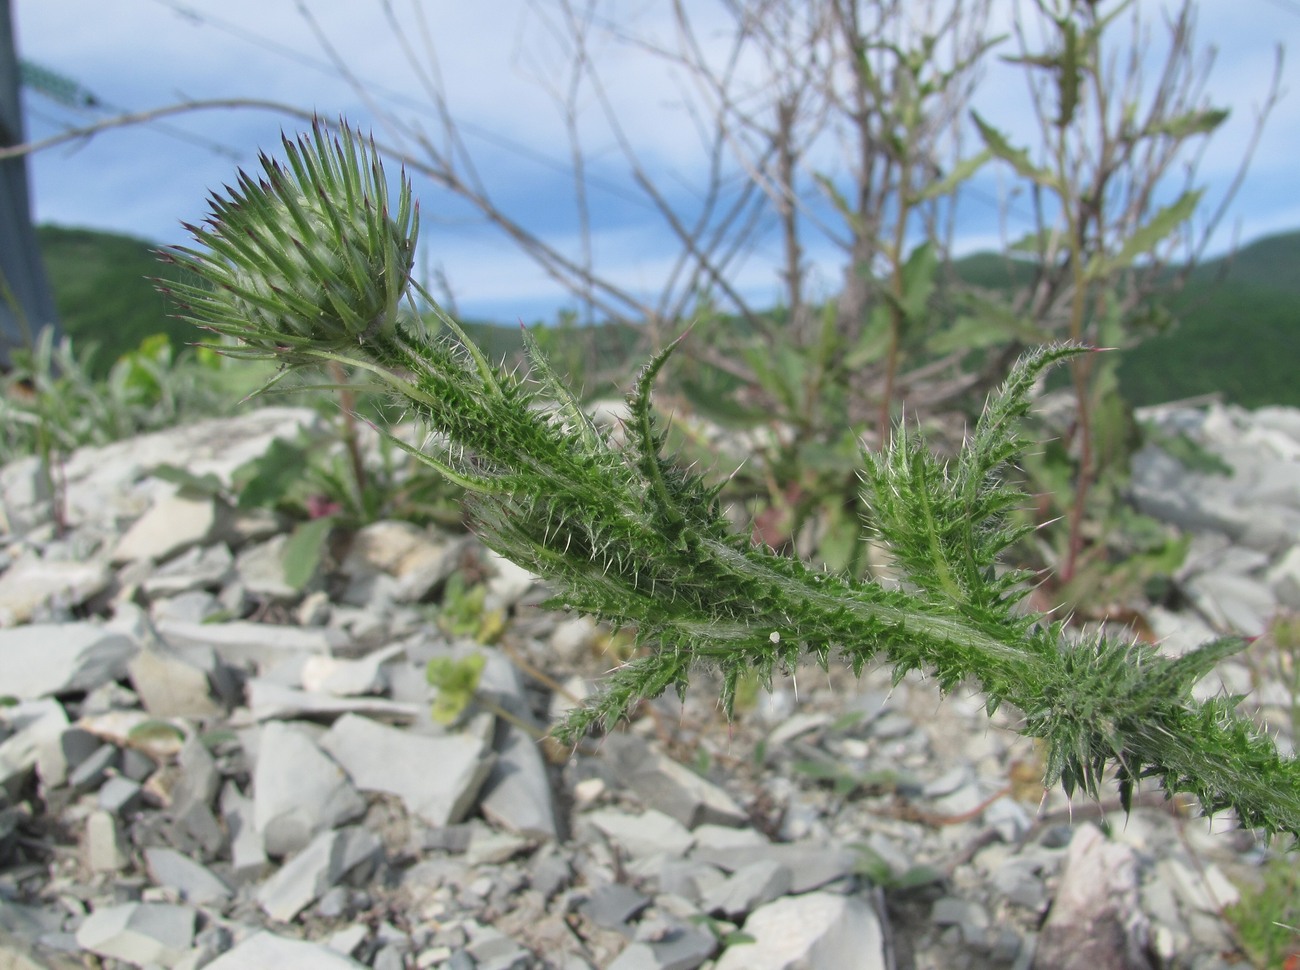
x=319 y=506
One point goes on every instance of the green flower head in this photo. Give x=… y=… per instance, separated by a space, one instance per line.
x=308 y=257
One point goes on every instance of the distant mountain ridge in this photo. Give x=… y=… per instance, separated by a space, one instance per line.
x=1238 y=333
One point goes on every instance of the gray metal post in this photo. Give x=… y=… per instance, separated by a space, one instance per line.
x=26 y=303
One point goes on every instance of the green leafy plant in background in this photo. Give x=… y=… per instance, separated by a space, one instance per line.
x=51 y=403
x=50 y=400
x=1267 y=918
x=457 y=684
x=308 y=265
x=313 y=485
x=1110 y=206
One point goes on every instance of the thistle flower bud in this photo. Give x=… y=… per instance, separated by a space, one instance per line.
x=309 y=256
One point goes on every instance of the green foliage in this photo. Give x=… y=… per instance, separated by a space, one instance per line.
x=1234 y=329
x=874 y=866
x=313 y=484
x=104 y=295
x=626 y=535
x=464 y=612
x=1237 y=338
x=51 y=402
x=457 y=684
x=1268 y=917
x=725 y=933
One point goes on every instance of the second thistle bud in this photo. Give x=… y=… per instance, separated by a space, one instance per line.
x=310 y=256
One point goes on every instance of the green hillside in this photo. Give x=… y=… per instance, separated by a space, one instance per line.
x=103 y=293
x=1272 y=262
x=1237 y=332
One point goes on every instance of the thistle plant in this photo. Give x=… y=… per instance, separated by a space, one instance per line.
x=306 y=265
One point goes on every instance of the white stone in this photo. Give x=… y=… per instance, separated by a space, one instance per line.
x=171 y=683
x=508 y=585
x=268 y=700
x=139 y=933
x=1097 y=918
x=345 y=678
x=106 y=849
x=30 y=585
x=414 y=557
x=104 y=484
x=37 y=727
x=387 y=759
x=298 y=790
x=260 y=569
x=265 y=951
x=816 y=930
x=57 y=658
x=1233 y=603
x=574 y=640
x=172 y=525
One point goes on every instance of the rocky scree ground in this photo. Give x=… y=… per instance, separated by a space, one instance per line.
x=201 y=766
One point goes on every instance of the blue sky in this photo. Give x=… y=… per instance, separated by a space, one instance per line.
x=496 y=58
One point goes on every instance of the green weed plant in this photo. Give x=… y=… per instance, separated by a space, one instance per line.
x=308 y=264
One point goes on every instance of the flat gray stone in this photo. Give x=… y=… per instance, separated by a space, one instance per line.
x=397 y=762
x=1284 y=578
x=90 y=773
x=194 y=882
x=811 y=865
x=119 y=795
x=298 y=790
x=675 y=946
x=241 y=642
x=306 y=877
x=196 y=606
x=815 y=930
x=970 y=918
x=192 y=797
x=139 y=933
x=648 y=834
x=663 y=784
x=613 y=905
x=266 y=951
x=201 y=568
x=746 y=889
x=260 y=569
x=47 y=659
x=517 y=794
x=248 y=859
